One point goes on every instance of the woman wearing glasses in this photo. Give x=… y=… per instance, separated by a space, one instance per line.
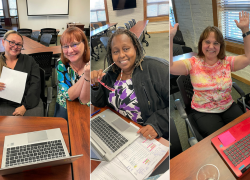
x=73 y=70
x=31 y=105
x=135 y=86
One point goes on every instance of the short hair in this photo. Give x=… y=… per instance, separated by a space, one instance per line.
x=71 y=34
x=12 y=32
x=140 y=52
x=219 y=38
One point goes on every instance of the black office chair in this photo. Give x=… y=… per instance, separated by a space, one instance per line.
x=96 y=26
x=131 y=24
x=175 y=144
x=103 y=23
x=51 y=31
x=127 y=26
x=35 y=35
x=46 y=39
x=25 y=32
x=2 y=32
x=44 y=59
x=46 y=99
x=134 y=21
x=186 y=90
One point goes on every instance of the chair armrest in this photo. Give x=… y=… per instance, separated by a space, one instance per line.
x=180 y=109
x=192 y=141
x=49 y=100
x=238 y=89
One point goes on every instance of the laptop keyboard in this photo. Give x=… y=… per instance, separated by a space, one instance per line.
x=239 y=151
x=34 y=153
x=113 y=139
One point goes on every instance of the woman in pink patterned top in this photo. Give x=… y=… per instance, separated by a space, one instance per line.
x=210 y=74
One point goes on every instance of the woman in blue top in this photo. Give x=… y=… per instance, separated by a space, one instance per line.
x=73 y=70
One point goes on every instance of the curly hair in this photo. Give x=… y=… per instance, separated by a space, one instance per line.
x=140 y=52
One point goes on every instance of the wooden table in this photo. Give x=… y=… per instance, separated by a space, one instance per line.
x=94 y=164
x=17 y=124
x=138 y=30
x=184 y=56
x=54 y=49
x=79 y=25
x=79 y=130
x=186 y=165
x=102 y=29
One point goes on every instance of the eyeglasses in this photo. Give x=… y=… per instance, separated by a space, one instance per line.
x=12 y=43
x=73 y=46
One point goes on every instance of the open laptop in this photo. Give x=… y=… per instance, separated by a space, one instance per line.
x=110 y=135
x=234 y=147
x=26 y=151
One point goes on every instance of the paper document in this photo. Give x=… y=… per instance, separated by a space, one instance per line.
x=113 y=170
x=14 y=84
x=142 y=156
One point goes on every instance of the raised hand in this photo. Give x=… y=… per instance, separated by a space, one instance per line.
x=173 y=30
x=244 y=21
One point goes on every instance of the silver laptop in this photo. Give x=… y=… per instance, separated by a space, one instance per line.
x=110 y=135
x=22 y=152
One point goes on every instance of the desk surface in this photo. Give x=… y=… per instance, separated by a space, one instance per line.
x=184 y=56
x=139 y=27
x=102 y=28
x=79 y=130
x=94 y=164
x=187 y=164
x=15 y=125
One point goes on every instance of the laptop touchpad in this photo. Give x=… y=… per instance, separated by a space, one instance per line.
x=121 y=124
x=37 y=136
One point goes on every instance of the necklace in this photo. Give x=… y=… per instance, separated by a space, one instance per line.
x=76 y=71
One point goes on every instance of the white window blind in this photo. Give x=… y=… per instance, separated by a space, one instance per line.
x=97 y=11
x=157 y=8
x=228 y=11
x=12 y=8
x=1 y=8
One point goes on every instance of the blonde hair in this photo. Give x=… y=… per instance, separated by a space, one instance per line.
x=2 y=57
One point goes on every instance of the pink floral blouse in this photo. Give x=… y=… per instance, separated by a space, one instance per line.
x=212 y=84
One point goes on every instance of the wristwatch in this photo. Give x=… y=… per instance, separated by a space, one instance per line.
x=245 y=34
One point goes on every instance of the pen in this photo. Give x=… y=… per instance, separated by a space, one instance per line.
x=95 y=112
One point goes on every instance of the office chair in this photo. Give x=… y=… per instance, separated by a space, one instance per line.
x=131 y=24
x=25 y=32
x=186 y=90
x=2 y=32
x=104 y=41
x=103 y=23
x=175 y=144
x=35 y=35
x=127 y=26
x=46 y=99
x=45 y=39
x=134 y=21
x=51 y=31
x=44 y=59
x=96 y=26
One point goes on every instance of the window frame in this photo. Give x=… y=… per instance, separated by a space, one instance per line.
x=12 y=9
x=106 y=12
x=153 y=19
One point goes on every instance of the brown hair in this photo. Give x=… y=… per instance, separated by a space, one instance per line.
x=140 y=52
x=2 y=57
x=71 y=34
x=218 y=37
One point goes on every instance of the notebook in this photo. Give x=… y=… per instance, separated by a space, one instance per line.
x=234 y=147
x=26 y=151
x=110 y=135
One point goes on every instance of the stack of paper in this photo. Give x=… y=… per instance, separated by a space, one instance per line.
x=136 y=162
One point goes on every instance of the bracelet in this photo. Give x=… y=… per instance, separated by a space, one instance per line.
x=245 y=34
x=86 y=80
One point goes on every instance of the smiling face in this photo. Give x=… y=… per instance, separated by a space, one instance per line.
x=210 y=46
x=73 y=51
x=123 y=52
x=12 y=51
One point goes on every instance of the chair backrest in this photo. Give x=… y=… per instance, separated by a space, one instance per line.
x=96 y=26
x=45 y=39
x=44 y=59
x=2 y=32
x=25 y=32
x=178 y=38
x=127 y=26
x=134 y=21
x=35 y=35
x=104 y=23
x=104 y=41
x=51 y=31
x=131 y=23
x=42 y=79
x=186 y=90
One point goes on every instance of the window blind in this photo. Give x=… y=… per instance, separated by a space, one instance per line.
x=97 y=11
x=227 y=12
x=157 y=8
